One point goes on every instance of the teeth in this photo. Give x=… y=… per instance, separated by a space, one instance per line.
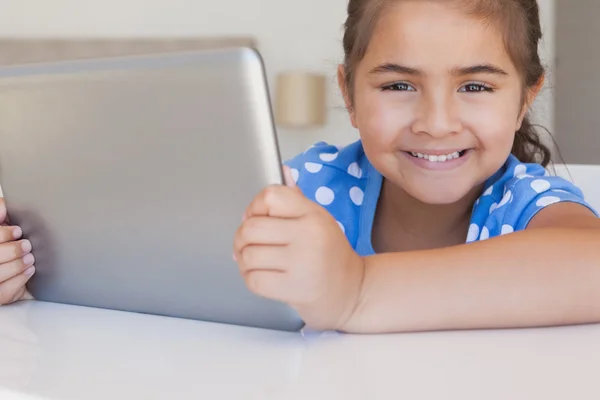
x=437 y=158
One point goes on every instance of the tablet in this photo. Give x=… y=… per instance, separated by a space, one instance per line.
x=130 y=176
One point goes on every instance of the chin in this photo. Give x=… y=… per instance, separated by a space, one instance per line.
x=438 y=195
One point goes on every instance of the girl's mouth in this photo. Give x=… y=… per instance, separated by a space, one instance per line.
x=439 y=157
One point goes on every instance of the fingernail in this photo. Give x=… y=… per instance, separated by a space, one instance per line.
x=29 y=271
x=26 y=246
x=28 y=259
x=234 y=257
x=17 y=232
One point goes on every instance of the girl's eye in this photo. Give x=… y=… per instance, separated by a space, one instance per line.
x=403 y=87
x=476 y=87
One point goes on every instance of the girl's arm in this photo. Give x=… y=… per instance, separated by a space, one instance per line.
x=547 y=275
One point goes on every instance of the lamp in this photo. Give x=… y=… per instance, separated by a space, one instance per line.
x=300 y=99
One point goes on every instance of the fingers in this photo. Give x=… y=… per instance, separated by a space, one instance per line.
x=14 y=250
x=10 y=233
x=3 y=216
x=289 y=177
x=268 y=284
x=263 y=230
x=10 y=289
x=26 y=294
x=16 y=264
x=19 y=295
x=13 y=268
x=279 y=201
x=264 y=258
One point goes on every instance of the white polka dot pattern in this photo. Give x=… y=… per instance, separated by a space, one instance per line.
x=546 y=201
x=540 y=185
x=343 y=180
x=485 y=233
x=324 y=196
x=506 y=229
x=328 y=157
x=354 y=170
x=520 y=170
x=505 y=199
x=312 y=167
x=473 y=233
x=357 y=196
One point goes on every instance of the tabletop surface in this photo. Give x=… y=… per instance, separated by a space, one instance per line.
x=52 y=351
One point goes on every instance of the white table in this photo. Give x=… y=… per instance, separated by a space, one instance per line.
x=63 y=352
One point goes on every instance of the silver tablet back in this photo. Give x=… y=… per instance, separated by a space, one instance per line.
x=130 y=177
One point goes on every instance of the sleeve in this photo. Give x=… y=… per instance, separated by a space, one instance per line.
x=311 y=169
x=525 y=196
x=330 y=176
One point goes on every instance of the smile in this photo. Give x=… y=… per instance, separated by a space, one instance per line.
x=442 y=160
x=439 y=157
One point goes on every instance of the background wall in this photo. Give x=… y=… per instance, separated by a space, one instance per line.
x=291 y=34
x=578 y=82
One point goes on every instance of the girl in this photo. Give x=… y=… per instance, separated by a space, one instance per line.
x=442 y=215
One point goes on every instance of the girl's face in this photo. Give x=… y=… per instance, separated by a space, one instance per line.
x=437 y=100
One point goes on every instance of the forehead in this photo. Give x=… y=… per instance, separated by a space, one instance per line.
x=431 y=35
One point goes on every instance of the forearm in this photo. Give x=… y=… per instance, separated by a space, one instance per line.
x=539 y=277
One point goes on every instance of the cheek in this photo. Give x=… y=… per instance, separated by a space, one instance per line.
x=381 y=121
x=493 y=122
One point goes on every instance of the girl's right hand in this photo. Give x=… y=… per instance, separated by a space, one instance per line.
x=16 y=262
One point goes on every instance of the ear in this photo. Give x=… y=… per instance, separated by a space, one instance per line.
x=341 y=77
x=532 y=94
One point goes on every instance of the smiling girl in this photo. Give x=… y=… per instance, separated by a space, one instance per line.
x=442 y=215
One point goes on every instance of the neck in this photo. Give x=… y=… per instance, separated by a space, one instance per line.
x=405 y=223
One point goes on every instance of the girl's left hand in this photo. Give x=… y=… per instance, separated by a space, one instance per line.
x=290 y=249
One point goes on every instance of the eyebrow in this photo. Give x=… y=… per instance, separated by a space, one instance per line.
x=480 y=69
x=394 y=68
x=472 y=70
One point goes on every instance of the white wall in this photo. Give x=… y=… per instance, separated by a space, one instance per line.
x=544 y=108
x=291 y=34
x=577 y=84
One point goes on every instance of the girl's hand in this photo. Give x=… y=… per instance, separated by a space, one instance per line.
x=290 y=249
x=16 y=261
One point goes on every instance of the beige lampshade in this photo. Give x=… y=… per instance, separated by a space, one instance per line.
x=300 y=100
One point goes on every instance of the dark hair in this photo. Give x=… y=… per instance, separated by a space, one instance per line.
x=519 y=21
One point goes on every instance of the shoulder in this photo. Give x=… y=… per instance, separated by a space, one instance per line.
x=333 y=158
x=324 y=164
x=335 y=178
x=516 y=193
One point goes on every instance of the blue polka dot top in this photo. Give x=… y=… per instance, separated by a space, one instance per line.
x=344 y=182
